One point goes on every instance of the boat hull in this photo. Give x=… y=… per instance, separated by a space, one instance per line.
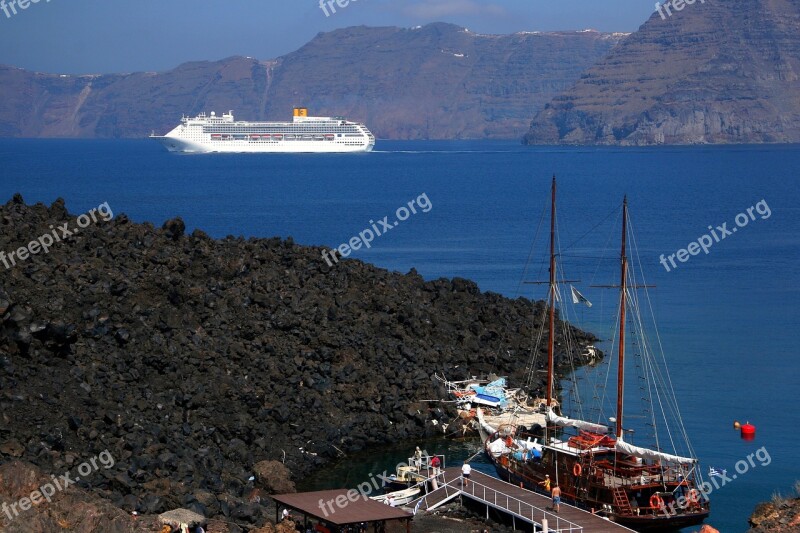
x=176 y=144
x=392 y=483
x=400 y=497
x=664 y=524
x=529 y=477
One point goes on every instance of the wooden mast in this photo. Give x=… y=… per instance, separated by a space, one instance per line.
x=552 y=320
x=622 y=302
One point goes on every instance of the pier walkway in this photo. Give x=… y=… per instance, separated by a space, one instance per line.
x=519 y=503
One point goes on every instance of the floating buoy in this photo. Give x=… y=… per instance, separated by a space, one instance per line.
x=736 y=425
x=748 y=431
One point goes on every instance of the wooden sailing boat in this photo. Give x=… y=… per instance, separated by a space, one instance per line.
x=596 y=469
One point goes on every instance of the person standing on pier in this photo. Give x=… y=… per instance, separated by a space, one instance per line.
x=546 y=482
x=556 y=498
x=466 y=471
x=436 y=463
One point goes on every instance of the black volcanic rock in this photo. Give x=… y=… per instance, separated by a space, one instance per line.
x=72 y=509
x=780 y=515
x=438 y=81
x=193 y=361
x=714 y=72
x=174 y=228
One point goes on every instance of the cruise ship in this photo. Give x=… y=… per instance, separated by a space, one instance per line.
x=305 y=134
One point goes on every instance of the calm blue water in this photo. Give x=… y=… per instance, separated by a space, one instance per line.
x=727 y=319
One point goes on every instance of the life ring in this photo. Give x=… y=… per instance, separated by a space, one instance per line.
x=576 y=469
x=656 y=502
x=694 y=496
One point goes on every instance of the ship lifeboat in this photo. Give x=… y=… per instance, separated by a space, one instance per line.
x=290 y=137
x=255 y=137
x=278 y=136
x=216 y=137
x=329 y=137
x=318 y=137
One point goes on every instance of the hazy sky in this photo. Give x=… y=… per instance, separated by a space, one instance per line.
x=98 y=36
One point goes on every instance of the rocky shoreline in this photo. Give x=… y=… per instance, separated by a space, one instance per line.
x=780 y=515
x=79 y=510
x=196 y=363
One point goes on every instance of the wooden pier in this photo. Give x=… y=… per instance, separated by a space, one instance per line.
x=520 y=504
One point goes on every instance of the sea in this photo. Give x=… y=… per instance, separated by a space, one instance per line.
x=478 y=210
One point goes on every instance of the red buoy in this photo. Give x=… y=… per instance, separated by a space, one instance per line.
x=748 y=431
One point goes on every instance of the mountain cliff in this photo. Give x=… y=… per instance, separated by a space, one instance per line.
x=433 y=82
x=713 y=72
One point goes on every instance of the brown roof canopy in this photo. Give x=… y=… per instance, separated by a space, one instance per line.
x=341 y=507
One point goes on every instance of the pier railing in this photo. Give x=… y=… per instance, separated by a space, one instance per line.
x=524 y=510
x=441 y=495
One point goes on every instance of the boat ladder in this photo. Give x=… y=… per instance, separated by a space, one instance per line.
x=621 y=502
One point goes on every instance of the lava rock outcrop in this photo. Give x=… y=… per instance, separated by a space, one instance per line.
x=192 y=360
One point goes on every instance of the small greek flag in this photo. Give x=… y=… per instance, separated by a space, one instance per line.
x=716 y=472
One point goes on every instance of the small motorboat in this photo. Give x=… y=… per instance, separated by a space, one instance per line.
x=418 y=469
x=399 y=497
x=405 y=477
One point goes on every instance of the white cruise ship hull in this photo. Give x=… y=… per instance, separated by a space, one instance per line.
x=174 y=144
x=214 y=134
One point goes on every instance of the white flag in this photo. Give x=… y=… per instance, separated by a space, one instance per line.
x=579 y=298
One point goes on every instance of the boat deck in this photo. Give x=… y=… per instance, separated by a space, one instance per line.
x=517 y=502
x=520 y=418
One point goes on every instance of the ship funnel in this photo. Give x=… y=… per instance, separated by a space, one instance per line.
x=300 y=112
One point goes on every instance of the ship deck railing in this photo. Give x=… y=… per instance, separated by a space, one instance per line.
x=613 y=478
